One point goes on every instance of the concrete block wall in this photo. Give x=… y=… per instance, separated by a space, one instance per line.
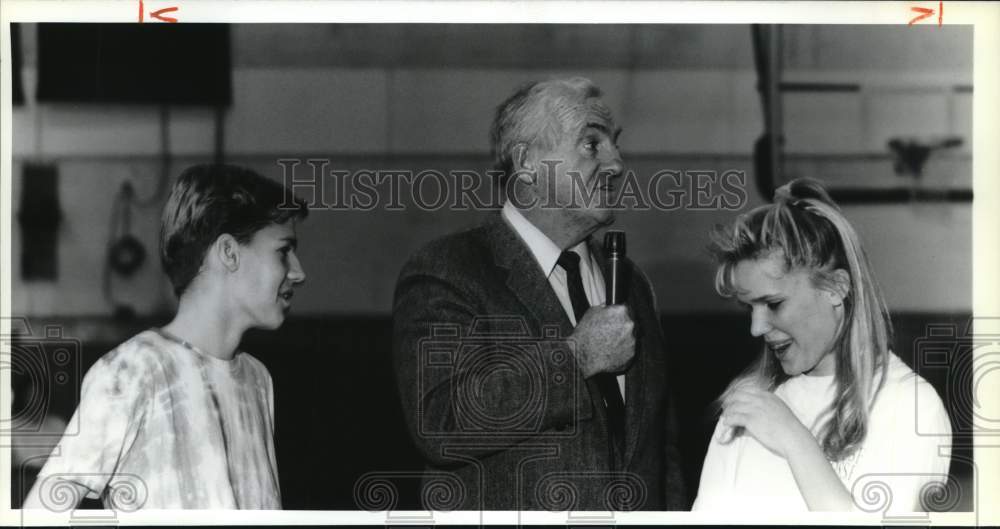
x=687 y=99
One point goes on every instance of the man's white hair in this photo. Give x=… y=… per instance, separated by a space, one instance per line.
x=538 y=114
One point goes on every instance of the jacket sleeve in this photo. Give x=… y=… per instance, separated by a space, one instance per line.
x=461 y=389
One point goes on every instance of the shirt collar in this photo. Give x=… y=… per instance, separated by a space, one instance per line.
x=545 y=251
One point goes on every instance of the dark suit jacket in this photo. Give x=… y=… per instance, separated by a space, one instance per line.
x=493 y=398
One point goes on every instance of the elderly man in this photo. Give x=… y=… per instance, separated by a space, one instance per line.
x=521 y=388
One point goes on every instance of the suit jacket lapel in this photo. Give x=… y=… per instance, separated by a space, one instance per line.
x=525 y=278
x=533 y=290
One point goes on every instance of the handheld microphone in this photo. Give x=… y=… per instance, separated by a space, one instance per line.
x=615 y=280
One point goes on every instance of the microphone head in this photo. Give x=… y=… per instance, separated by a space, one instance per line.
x=614 y=243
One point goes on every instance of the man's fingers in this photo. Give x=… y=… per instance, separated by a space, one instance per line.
x=620 y=310
x=621 y=314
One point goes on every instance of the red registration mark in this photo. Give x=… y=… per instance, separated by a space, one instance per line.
x=927 y=12
x=158 y=14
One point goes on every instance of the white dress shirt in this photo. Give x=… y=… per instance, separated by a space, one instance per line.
x=547 y=253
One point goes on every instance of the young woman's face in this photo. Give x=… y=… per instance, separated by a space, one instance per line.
x=797 y=320
x=268 y=272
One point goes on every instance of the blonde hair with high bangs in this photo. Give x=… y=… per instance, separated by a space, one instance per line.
x=809 y=232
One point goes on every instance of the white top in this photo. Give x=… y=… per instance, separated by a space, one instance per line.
x=547 y=254
x=162 y=425
x=908 y=429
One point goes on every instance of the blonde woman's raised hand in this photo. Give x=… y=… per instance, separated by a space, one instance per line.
x=767 y=418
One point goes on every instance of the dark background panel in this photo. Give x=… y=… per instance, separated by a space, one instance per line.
x=186 y=64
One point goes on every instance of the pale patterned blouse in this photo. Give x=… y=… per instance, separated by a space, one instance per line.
x=162 y=425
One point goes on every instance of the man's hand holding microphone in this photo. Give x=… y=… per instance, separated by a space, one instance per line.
x=604 y=337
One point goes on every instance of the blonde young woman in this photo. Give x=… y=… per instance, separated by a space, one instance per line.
x=827 y=408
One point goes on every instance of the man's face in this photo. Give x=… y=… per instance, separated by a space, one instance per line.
x=269 y=270
x=579 y=172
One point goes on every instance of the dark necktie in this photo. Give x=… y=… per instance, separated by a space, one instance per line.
x=608 y=384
